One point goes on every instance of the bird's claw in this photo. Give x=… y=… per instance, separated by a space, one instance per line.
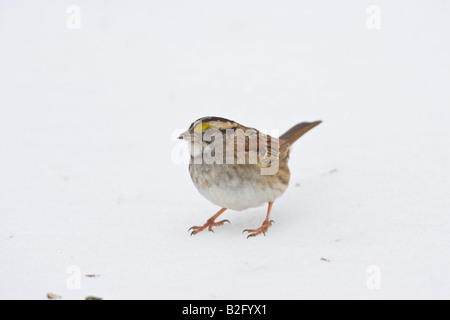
x=209 y=225
x=263 y=229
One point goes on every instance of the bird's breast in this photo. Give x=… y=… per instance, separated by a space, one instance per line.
x=238 y=187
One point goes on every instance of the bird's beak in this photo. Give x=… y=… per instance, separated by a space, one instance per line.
x=185 y=136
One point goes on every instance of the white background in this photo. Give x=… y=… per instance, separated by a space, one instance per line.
x=87 y=120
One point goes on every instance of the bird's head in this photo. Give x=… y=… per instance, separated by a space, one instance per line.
x=198 y=129
x=201 y=125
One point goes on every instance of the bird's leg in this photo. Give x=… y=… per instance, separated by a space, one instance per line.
x=210 y=223
x=265 y=226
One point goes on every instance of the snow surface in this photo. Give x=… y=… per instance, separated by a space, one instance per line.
x=88 y=176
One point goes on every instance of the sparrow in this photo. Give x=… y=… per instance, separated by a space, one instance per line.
x=238 y=167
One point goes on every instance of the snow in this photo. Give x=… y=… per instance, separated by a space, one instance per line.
x=89 y=181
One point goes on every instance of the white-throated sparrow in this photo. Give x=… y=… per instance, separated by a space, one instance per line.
x=236 y=167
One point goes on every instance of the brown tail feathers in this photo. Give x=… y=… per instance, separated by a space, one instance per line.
x=297 y=131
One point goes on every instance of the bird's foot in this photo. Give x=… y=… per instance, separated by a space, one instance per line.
x=209 y=224
x=263 y=229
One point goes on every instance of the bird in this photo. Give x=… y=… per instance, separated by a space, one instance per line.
x=238 y=167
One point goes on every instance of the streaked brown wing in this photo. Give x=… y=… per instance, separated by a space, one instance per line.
x=264 y=148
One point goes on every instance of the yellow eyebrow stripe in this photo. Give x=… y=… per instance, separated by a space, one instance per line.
x=202 y=127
